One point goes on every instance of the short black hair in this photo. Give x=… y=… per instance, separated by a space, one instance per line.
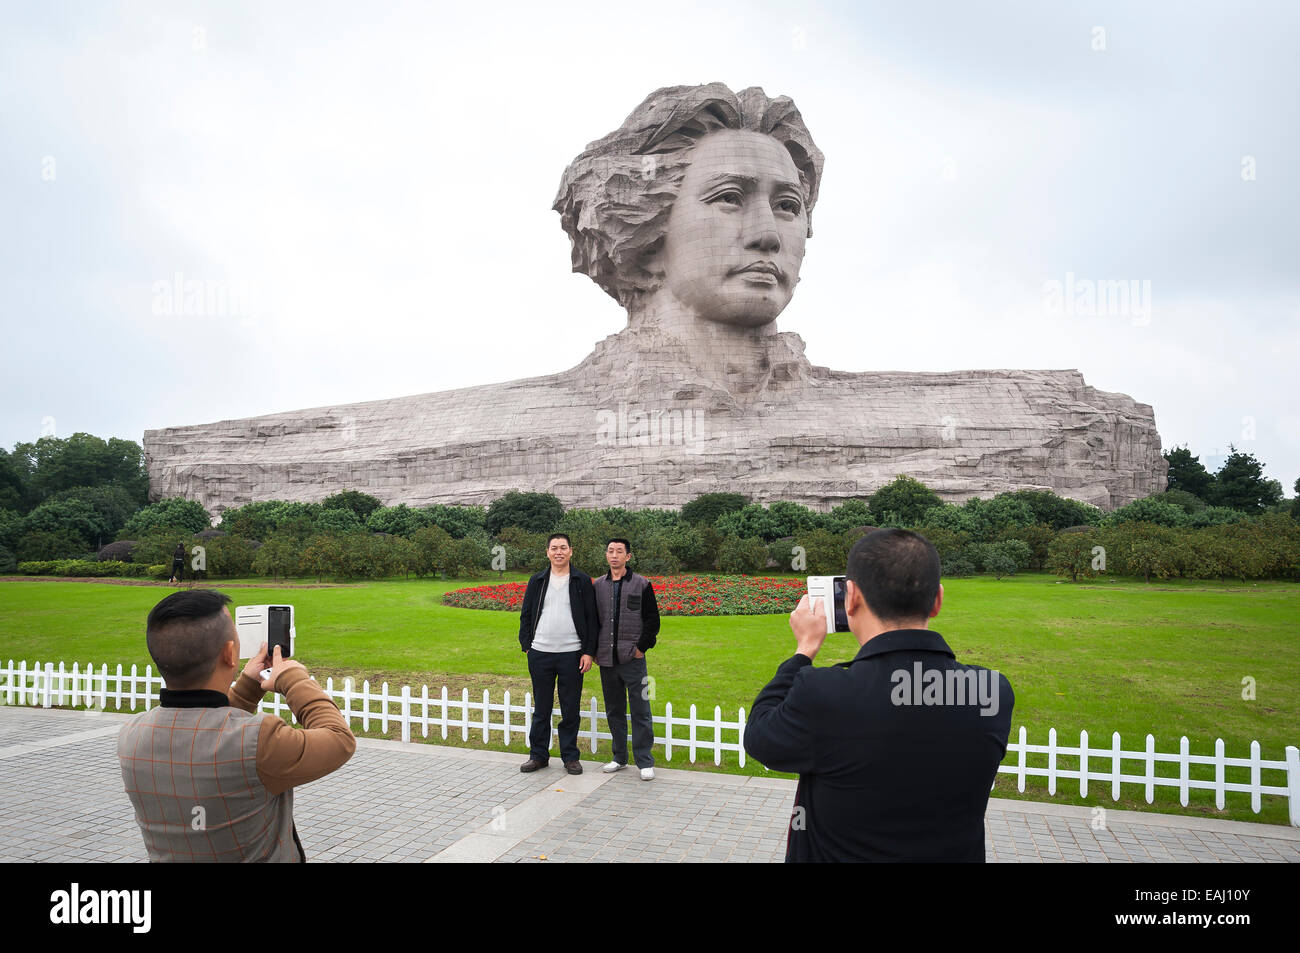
x=185 y=634
x=626 y=545
x=897 y=572
x=563 y=536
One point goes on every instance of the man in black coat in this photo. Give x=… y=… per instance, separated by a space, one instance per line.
x=896 y=750
x=557 y=630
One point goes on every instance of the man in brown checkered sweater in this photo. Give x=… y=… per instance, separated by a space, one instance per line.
x=209 y=777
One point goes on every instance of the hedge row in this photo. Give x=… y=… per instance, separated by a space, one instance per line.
x=80 y=567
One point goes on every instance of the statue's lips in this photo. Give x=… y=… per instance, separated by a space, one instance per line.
x=763 y=274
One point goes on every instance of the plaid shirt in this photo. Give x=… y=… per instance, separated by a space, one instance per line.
x=212 y=780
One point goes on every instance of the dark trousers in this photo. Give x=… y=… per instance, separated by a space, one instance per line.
x=622 y=684
x=549 y=670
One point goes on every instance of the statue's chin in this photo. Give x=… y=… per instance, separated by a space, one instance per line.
x=745 y=320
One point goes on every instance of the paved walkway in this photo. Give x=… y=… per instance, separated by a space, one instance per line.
x=61 y=799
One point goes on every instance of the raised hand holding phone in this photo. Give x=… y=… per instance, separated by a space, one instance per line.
x=279 y=664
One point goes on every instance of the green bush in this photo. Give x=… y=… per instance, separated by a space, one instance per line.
x=468 y=557
x=746 y=556
x=525 y=551
x=1151 y=510
x=175 y=513
x=535 y=512
x=958 y=566
x=707 y=507
x=1071 y=553
x=902 y=502
x=82 y=568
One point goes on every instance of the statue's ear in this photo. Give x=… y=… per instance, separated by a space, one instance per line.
x=651 y=259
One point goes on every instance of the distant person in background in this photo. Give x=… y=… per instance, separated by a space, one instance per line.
x=210 y=778
x=178 y=563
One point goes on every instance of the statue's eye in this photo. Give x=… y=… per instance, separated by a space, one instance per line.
x=731 y=197
x=793 y=206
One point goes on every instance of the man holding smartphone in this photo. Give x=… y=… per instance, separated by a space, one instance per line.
x=629 y=626
x=210 y=778
x=896 y=750
x=557 y=631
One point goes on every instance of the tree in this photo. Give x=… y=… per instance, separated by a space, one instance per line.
x=849 y=515
x=13 y=494
x=1240 y=484
x=52 y=464
x=362 y=504
x=1071 y=554
x=278 y=556
x=71 y=517
x=399 y=520
x=903 y=502
x=744 y=556
x=1149 y=509
x=1055 y=511
x=458 y=521
x=323 y=557
x=753 y=521
x=1188 y=503
x=1187 y=473
x=536 y=512
x=113 y=505
x=707 y=507
x=431 y=543
x=178 y=513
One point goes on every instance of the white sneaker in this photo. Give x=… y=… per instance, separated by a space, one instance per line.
x=647 y=774
x=612 y=767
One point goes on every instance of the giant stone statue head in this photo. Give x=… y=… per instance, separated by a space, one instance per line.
x=701 y=201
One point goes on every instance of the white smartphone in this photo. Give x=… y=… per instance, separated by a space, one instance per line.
x=270 y=624
x=830 y=591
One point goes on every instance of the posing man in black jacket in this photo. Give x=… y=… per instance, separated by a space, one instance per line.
x=557 y=630
x=896 y=750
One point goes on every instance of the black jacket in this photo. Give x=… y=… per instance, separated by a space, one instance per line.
x=582 y=599
x=891 y=767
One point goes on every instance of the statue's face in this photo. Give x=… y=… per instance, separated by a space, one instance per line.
x=735 y=237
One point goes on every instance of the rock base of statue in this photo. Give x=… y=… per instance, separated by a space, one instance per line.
x=649 y=420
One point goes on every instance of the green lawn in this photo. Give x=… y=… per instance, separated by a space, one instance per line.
x=1167 y=659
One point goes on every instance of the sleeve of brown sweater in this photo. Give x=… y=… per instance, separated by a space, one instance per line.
x=288 y=756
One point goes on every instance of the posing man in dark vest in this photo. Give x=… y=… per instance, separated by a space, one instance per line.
x=557 y=630
x=629 y=624
x=211 y=778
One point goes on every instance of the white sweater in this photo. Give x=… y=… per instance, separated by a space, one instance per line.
x=555 y=629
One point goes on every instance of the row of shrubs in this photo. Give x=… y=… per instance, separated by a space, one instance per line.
x=83 y=567
x=1259 y=548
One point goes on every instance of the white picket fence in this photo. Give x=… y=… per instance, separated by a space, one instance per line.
x=99 y=689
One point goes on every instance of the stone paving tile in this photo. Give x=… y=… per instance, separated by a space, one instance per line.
x=409 y=803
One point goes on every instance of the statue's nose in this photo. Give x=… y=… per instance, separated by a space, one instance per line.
x=760 y=228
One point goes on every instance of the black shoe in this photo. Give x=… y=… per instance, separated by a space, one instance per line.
x=532 y=765
x=573 y=767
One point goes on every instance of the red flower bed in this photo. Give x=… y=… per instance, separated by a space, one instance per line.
x=675 y=595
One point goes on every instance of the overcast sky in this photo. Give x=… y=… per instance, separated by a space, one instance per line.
x=379 y=178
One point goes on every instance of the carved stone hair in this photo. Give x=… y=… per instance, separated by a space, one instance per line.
x=615 y=198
